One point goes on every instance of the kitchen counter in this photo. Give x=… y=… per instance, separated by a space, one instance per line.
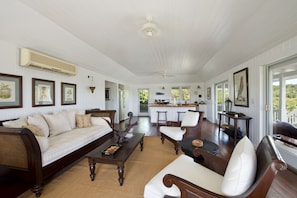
x=171 y=111
x=172 y=105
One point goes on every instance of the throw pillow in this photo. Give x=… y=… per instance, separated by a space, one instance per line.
x=70 y=115
x=241 y=170
x=83 y=121
x=16 y=123
x=39 y=121
x=34 y=129
x=57 y=123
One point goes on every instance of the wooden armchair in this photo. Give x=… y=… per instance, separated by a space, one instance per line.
x=269 y=162
x=190 y=128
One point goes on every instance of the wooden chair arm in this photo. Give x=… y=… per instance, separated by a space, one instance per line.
x=187 y=189
x=211 y=161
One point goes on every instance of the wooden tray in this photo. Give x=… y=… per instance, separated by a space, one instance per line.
x=111 y=149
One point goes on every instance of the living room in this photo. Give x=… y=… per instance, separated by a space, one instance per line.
x=24 y=27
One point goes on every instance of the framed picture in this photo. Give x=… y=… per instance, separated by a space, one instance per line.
x=68 y=94
x=11 y=91
x=241 y=91
x=43 y=92
x=208 y=93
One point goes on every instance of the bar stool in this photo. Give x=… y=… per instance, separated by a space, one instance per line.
x=179 y=117
x=162 y=118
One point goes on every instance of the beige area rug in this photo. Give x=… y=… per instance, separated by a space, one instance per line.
x=139 y=169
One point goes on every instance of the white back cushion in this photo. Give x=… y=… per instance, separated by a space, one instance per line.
x=241 y=169
x=19 y=123
x=58 y=123
x=40 y=122
x=190 y=118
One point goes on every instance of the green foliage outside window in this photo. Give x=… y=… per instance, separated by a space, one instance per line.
x=291 y=97
x=143 y=96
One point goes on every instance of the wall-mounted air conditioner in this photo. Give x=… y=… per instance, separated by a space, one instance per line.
x=30 y=58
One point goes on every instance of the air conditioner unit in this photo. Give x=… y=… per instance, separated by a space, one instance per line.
x=30 y=58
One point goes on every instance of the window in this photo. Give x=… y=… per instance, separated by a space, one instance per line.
x=185 y=93
x=175 y=93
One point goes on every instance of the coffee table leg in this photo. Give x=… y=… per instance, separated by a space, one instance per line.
x=121 y=174
x=141 y=144
x=92 y=166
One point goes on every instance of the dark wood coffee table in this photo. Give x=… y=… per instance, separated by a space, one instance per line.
x=118 y=158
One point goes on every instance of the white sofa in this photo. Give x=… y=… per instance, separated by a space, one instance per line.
x=44 y=144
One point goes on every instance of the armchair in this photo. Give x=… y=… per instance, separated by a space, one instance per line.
x=190 y=127
x=248 y=173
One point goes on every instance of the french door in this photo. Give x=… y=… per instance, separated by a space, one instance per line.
x=221 y=95
x=282 y=92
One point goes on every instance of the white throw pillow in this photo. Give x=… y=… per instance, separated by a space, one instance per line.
x=97 y=121
x=70 y=115
x=19 y=123
x=190 y=118
x=241 y=169
x=39 y=121
x=57 y=123
x=43 y=143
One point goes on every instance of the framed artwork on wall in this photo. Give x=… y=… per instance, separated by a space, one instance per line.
x=11 y=91
x=208 y=93
x=241 y=92
x=43 y=92
x=68 y=94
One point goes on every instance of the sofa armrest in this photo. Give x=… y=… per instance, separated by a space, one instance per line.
x=187 y=188
x=211 y=161
x=103 y=113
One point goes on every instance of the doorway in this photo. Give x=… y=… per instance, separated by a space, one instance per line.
x=143 y=98
x=221 y=95
x=282 y=93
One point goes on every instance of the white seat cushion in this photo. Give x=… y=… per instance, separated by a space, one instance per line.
x=173 y=132
x=186 y=168
x=241 y=170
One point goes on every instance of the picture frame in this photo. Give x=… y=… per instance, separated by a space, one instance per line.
x=68 y=93
x=11 y=91
x=208 y=93
x=241 y=91
x=43 y=92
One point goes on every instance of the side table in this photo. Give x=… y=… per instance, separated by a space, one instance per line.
x=187 y=148
x=231 y=116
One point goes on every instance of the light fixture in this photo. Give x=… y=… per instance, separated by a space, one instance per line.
x=149 y=28
x=92 y=87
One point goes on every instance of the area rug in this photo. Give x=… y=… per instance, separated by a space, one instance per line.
x=139 y=169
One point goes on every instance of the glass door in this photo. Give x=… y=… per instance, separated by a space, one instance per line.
x=143 y=95
x=221 y=95
x=282 y=93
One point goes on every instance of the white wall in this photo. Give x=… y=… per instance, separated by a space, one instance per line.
x=257 y=86
x=85 y=99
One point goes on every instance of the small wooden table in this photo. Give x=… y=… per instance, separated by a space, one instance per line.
x=118 y=158
x=187 y=148
x=247 y=123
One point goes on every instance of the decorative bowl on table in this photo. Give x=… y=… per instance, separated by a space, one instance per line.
x=197 y=143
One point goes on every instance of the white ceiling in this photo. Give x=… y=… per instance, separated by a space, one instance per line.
x=197 y=39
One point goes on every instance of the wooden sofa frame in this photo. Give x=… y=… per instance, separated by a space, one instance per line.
x=269 y=162
x=22 y=155
x=191 y=132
